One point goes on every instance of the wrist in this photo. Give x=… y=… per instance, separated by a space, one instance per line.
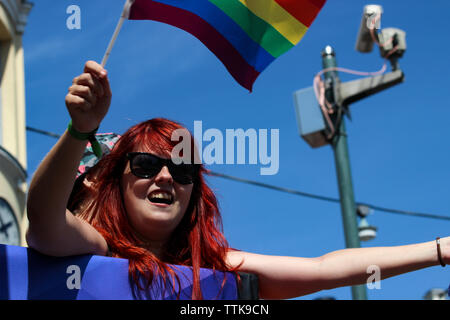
x=439 y=251
x=86 y=136
x=80 y=135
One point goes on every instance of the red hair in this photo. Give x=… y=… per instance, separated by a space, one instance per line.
x=197 y=241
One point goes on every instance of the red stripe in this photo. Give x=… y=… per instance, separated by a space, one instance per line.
x=244 y=74
x=304 y=11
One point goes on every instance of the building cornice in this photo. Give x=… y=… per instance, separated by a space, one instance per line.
x=18 y=13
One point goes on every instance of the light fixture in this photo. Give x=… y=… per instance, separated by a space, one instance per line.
x=366 y=232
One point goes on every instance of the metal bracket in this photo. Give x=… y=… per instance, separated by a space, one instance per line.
x=353 y=91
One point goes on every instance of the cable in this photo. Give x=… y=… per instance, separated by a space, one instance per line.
x=50 y=134
x=268 y=186
x=319 y=87
x=294 y=192
x=329 y=199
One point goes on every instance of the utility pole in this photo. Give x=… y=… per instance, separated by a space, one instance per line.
x=340 y=95
x=342 y=160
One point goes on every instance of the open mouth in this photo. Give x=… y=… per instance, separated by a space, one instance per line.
x=160 y=197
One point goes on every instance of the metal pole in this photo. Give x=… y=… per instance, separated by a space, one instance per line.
x=344 y=177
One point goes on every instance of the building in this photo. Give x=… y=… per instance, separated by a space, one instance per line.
x=13 y=157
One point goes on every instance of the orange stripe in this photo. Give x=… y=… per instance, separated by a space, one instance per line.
x=304 y=11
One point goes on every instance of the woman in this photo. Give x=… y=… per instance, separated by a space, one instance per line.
x=143 y=207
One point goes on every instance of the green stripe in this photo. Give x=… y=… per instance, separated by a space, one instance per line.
x=257 y=29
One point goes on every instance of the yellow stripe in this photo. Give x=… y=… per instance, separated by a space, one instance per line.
x=271 y=12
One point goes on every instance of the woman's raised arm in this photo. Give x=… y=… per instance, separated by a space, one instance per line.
x=289 y=277
x=52 y=228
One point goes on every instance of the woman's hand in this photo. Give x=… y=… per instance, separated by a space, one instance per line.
x=89 y=98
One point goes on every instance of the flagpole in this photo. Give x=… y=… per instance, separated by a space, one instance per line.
x=125 y=15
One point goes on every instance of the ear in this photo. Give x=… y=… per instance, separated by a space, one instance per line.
x=87 y=183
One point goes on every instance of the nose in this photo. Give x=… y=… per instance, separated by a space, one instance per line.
x=164 y=175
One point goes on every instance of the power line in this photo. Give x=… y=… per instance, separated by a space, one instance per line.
x=268 y=186
x=294 y=192
x=50 y=134
x=329 y=199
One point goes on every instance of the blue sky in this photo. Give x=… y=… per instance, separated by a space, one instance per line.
x=397 y=139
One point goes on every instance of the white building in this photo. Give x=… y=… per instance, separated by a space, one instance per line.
x=13 y=159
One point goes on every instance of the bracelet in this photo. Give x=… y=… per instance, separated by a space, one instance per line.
x=438 y=245
x=86 y=136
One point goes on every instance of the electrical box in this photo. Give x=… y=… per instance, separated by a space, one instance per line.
x=310 y=121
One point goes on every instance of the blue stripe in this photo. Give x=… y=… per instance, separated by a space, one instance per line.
x=17 y=269
x=252 y=52
x=27 y=274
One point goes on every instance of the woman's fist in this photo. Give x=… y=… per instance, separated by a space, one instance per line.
x=89 y=97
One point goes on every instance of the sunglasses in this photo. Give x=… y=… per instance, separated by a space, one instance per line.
x=146 y=165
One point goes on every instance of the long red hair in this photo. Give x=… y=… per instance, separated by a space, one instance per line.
x=198 y=240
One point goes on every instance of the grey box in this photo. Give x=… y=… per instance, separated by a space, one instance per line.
x=310 y=121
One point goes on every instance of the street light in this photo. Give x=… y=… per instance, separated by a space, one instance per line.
x=366 y=232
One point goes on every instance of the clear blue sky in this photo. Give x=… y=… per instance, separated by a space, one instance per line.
x=397 y=139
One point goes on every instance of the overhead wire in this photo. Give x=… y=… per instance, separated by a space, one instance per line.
x=330 y=199
x=292 y=191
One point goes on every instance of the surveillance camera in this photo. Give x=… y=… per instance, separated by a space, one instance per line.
x=391 y=38
x=362 y=210
x=371 y=19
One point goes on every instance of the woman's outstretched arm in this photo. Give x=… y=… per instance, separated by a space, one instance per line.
x=52 y=228
x=289 y=277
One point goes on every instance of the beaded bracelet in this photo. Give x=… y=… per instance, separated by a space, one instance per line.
x=86 y=136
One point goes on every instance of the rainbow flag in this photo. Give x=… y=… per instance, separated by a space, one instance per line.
x=246 y=35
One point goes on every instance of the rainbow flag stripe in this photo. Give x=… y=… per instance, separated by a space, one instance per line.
x=246 y=35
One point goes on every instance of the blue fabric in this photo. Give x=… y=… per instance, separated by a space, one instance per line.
x=26 y=274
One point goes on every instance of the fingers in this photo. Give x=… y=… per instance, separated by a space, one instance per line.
x=91 y=86
x=87 y=79
x=84 y=92
x=95 y=69
x=101 y=74
x=78 y=102
x=89 y=97
x=106 y=87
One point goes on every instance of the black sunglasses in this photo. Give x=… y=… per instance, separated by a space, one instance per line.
x=146 y=165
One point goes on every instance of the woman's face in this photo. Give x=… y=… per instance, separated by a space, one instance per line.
x=155 y=206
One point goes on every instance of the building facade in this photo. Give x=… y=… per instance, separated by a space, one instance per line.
x=13 y=157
